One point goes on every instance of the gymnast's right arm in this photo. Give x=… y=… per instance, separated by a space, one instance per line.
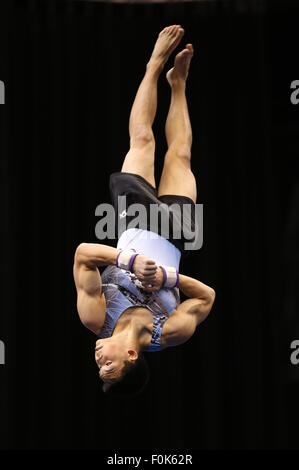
x=189 y=314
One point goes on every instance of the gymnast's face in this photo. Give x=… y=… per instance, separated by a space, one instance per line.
x=110 y=356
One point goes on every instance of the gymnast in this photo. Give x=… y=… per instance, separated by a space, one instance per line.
x=134 y=304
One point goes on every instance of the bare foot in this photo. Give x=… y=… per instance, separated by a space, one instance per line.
x=167 y=41
x=179 y=73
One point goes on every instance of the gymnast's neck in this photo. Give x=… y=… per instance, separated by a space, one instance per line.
x=135 y=329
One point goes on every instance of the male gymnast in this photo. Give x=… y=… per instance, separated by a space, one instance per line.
x=134 y=305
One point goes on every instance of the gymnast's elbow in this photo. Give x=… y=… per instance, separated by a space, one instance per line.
x=80 y=253
x=210 y=298
x=212 y=295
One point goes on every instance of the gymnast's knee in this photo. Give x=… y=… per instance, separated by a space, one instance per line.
x=181 y=153
x=142 y=136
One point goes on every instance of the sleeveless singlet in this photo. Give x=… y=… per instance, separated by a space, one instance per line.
x=122 y=289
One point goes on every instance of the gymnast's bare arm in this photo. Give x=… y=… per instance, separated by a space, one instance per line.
x=189 y=314
x=91 y=302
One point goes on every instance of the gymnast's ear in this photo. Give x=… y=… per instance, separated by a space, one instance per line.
x=133 y=355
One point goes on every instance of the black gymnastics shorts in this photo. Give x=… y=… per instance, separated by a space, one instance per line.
x=139 y=190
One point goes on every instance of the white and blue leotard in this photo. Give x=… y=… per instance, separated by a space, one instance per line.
x=123 y=290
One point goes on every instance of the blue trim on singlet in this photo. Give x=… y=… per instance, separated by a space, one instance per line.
x=123 y=290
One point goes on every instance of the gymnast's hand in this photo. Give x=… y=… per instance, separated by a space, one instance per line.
x=156 y=284
x=144 y=269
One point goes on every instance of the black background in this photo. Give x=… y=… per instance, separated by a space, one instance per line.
x=71 y=71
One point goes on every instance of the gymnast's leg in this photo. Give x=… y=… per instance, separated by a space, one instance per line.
x=177 y=177
x=140 y=158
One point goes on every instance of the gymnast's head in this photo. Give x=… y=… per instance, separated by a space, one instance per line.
x=122 y=368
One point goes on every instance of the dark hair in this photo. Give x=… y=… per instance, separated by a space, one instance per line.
x=133 y=380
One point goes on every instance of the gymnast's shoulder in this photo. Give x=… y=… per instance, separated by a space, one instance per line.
x=183 y=322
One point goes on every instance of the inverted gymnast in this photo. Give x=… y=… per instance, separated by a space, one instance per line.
x=134 y=305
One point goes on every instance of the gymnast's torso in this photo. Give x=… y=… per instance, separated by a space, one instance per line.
x=125 y=295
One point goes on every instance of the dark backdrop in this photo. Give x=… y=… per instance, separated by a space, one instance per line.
x=71 y=70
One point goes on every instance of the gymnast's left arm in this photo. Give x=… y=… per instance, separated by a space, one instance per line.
x=91 y=303
x=96 y=254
